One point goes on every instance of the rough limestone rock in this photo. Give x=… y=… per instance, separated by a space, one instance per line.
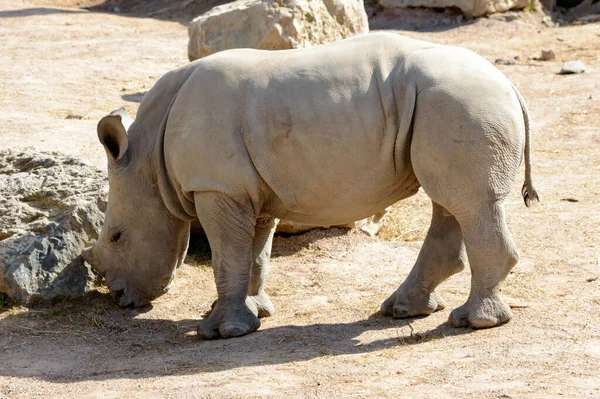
x=275 y=25
x=369 y=226
x=571 y=67
x=51 y=207
x=474 y=8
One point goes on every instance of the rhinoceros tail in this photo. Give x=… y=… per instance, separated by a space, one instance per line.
x=528 y=191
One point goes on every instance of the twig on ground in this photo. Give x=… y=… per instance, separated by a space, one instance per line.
x=408 y=232
x=13 y=346
x=35 y=331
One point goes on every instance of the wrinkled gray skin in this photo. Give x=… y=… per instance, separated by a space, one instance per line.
x=325 y=135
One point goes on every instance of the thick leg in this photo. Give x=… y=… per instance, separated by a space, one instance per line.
x=492 y=254
x=466 y=150
x=258 y=301
x=230 y=228
x=442 y=255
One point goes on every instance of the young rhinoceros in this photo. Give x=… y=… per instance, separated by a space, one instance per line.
x=324 y=136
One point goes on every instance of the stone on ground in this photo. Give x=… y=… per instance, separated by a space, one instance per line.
x=275 y=25
x=571 y=67
x=474 y=8
x=369 y=226
x=548 y=55
x=51 y=207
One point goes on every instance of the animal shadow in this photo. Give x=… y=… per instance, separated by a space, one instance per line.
x=90 y=338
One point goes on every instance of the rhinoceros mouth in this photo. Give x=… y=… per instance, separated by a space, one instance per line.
x=125 y=294
x=127 y=297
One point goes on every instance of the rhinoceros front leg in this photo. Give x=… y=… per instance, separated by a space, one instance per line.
x=258 y=301
x=442 y=255
x=230 y=228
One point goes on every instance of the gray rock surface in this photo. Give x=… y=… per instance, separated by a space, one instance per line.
x=474 y=8
x=275 y=25
x=505 y=61
x=571 y=67
x=369 y=226
x=51 y=207
x=548 y=55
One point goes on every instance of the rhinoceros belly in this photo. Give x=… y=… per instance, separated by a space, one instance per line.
x=328 y=147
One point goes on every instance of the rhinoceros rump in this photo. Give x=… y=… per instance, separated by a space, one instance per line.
x=324 y=136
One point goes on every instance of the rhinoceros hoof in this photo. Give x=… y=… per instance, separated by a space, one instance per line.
x=260 y=305
x=228 y=323
x=402 y=304
x=481 y=312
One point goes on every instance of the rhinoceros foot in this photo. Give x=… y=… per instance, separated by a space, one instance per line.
x=228 y=321
x=481 y=312
x=260 y=305
x=409 y=302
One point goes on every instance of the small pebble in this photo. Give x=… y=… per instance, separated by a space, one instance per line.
x=508 y=17
x=505 y=61
x=570 y=67
x=548 y=55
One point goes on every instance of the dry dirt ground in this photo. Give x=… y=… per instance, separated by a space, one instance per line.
x=63 y=69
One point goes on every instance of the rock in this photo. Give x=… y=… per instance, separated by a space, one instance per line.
x=591 y=18
x=506 y=17
x=548 y=55
x=275 y=25
x=369 y=226
x=51 y=207
x=473 y=8
x=547 y=20
x=505 y=61
x=571 y=67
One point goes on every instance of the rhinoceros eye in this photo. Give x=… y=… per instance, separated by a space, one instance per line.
x=115 y=237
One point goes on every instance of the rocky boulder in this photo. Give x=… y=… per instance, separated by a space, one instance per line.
x=474 y=8
x=275 y=25
x=369 y=226
x=51 y=207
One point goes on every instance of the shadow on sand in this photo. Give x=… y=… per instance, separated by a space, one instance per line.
x=29 y=12
x=112 y=343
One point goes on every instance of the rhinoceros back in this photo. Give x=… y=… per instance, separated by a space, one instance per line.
x=324 y=128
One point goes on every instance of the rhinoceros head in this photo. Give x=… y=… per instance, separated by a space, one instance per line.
x=141 y=244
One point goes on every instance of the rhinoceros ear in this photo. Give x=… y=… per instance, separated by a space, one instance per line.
x=113 y=136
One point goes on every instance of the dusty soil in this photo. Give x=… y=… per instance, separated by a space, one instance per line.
x=63 y=69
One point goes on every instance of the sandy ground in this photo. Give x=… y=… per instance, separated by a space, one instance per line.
x=63 y=69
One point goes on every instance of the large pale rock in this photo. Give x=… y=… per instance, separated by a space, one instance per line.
x=275 y=25
x=51 y=207
x=369 y=226
x=475 y=8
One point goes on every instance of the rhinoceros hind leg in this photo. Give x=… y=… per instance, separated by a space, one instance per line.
x=229 y=226
x=442 y=255
x=483 y=312
x=492 y=254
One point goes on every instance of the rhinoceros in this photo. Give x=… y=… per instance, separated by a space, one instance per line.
x=322 y=136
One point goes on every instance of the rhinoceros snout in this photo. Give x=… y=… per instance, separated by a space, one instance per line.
x=125 y=298
x=126 y=295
